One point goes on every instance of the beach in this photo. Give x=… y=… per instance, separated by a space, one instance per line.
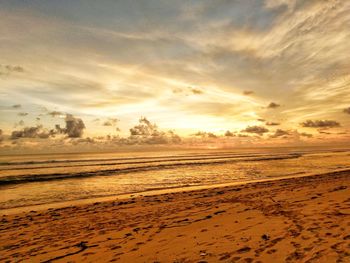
x=48 y=179
x=175 y=131
x=304 y=219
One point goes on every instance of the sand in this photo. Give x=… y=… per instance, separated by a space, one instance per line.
x=304 y=219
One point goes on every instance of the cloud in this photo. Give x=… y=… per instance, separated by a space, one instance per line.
x=110 y=122
x=187 y=91
x=261 y=120
x=272 y=123
x=17 y=106
x=289 y=51
x=196 y=91
x=205 y=134
x=23 y=114
x=177 y=90
x=55 y=113
x=304 y=134
x=107 y=123
x=147 y=133
x=248 y=92
x=32 y=132
x=243 y=135
x=144 y=133
x=229 y=134
x=256 y=129
x=20 y=123
x=144 y=128
x=8 y=69
x=347 y=110
x=320 y=124
x=273 y=105
x=74 y=127
x=1 y=135
x=323 y=132
x=14 y=68
x=280 y=133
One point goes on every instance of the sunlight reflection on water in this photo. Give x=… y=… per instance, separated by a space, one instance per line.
x=113 y=174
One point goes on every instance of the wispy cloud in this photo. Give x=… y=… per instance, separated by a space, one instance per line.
x=212 y=66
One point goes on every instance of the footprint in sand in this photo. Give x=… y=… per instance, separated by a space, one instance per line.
x=224 y=256
x=271 y=251
x=244 y=249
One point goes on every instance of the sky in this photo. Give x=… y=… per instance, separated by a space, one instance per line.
x=212 y=73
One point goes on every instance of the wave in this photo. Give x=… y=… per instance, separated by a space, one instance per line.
x=160 y=158
x=123 y=158
x=143 y=161
x=10 y=180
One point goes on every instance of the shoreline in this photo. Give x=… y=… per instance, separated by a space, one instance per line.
x=153 y=149
x=152 y=192
x=303 y=219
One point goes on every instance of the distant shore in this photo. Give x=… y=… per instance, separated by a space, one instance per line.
x=301 y=219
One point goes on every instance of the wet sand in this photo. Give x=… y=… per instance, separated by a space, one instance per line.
x=305 y=219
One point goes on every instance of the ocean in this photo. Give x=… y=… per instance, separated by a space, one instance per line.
x=27 y=180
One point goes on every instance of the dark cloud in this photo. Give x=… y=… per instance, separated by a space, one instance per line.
x=323 y=132
x=147 y=133
x=16 y=106
x=347 y=110
x=1 y=135
x=261 y=120
x=273 y=105
x=248 y=92
x=256 y=129
x=107 y=123
x=211 y=135
x=272 y=123
x=304 y=134
x=229 y=134
x=8 y=69
x=205 y=134
x=342 y=133
x=23 y=114
x=144 y=128
x=280 y=133
x=320 y=124
x=200 y=134
x=144 y=133
x=14 y=68
x=32 y=132
x=55 y=113
x=196 y=91
x=110 y=122
x=74 y=127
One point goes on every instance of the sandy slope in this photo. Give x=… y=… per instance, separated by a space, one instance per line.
x=292 y=220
